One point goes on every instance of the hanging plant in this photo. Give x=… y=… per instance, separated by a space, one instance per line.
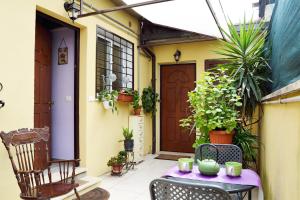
x=149 y=100
x=109 y=99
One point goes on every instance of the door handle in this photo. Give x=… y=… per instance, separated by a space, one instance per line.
x=50 y=104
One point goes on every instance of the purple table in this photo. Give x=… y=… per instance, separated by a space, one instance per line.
x=245 y=183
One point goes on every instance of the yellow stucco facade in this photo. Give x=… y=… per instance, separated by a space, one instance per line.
x=280 y=150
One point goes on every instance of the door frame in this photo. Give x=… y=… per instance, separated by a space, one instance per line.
x=160 y=91
x=76 y=78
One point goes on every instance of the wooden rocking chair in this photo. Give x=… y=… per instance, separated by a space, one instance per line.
x=28 y=152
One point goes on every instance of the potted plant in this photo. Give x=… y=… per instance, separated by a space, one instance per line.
x=149 y=100
x=109 y=99
x=117 y=162
x=136 y=103
x=214 y=104
x=128 y=141
x=126 y=95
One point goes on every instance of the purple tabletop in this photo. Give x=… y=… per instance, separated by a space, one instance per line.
x=248 y=177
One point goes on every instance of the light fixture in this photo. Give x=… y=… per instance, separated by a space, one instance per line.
x=73 y=9
x=177 y=55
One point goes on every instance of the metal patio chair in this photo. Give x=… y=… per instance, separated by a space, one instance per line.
x=28 y=152
x=220 y=152
x=165 y=189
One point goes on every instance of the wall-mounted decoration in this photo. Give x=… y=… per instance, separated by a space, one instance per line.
x=63 y=53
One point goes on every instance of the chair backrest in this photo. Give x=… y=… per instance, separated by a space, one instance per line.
x=226 y=152
x=165 y=189
x=28 y=152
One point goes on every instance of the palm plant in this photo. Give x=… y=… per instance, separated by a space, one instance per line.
x=246 y=54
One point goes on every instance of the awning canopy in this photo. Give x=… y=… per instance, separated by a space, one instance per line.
x=195 y=15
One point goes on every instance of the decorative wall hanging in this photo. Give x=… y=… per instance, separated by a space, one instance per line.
x=63 y=53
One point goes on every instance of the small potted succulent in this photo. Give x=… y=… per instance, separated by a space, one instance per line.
x=117 y=163
x=128 y=141
x=109 y=99
x=136 y=103
x=215 y=108
x=126 y=95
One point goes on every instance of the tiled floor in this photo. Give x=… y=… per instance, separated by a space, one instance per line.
x=135 y=184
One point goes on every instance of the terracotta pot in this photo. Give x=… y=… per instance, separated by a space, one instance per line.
x=137 y=111
x=125 y=97
x=220 y=137
x=117 y=169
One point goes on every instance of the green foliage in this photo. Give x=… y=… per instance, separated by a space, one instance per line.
x=111 y=97
x=214 y=104
x=247 y=63
x=136 y=100
x=128 y=91
x=247 y=142
x=128 y=134
x=149 y=99
x=117 y=160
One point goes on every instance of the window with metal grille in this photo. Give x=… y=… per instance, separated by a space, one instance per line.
x=114 y=62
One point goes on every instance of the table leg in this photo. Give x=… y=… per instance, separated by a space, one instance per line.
x=249 y=195
x=240 y=195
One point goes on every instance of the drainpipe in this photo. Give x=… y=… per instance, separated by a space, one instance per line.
x=153 y=81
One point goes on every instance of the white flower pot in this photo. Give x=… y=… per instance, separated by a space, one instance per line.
x=106 y=105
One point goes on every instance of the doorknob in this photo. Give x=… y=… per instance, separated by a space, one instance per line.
x=50 y=103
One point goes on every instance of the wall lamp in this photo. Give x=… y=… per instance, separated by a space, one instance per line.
x=73 y=9
x=177 y=55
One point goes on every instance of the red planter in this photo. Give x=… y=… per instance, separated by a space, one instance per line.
x=220 y=137
x=137 y=111
x=123 y=97
x=117 y=169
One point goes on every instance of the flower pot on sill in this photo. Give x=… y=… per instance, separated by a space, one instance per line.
x=137 y=111
x=106 y=105
x=117 y=169
x=123 y=97
x=128 y=145
x=220 y=137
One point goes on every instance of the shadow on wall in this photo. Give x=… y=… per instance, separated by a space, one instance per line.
x=1 y=102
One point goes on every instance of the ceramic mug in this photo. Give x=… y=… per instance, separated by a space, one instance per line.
x=233 y=168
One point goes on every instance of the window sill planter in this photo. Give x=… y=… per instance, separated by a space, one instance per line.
x=220 y=137
x=123 y=97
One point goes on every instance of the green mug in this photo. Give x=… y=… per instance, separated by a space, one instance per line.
x=185 y=164
x=233 y=168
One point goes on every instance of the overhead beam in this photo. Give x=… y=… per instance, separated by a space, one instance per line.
x=122 y=7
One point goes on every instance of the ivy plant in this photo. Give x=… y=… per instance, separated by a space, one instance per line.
x=214 y=104
x=149 y=100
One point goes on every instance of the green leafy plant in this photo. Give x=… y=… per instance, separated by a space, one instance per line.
x=117 y=160
x=248 y=143
x=111 y=97
x=149 y=100
x=136 y=100
x=247 y=63
x=214 y=105
x=127 y=133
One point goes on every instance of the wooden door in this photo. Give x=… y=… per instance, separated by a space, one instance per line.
x=176 y=82
x=42 y=80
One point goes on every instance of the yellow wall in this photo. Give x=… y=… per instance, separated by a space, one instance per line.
x=100 y=130
x=196 y=52
x=280 y=151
